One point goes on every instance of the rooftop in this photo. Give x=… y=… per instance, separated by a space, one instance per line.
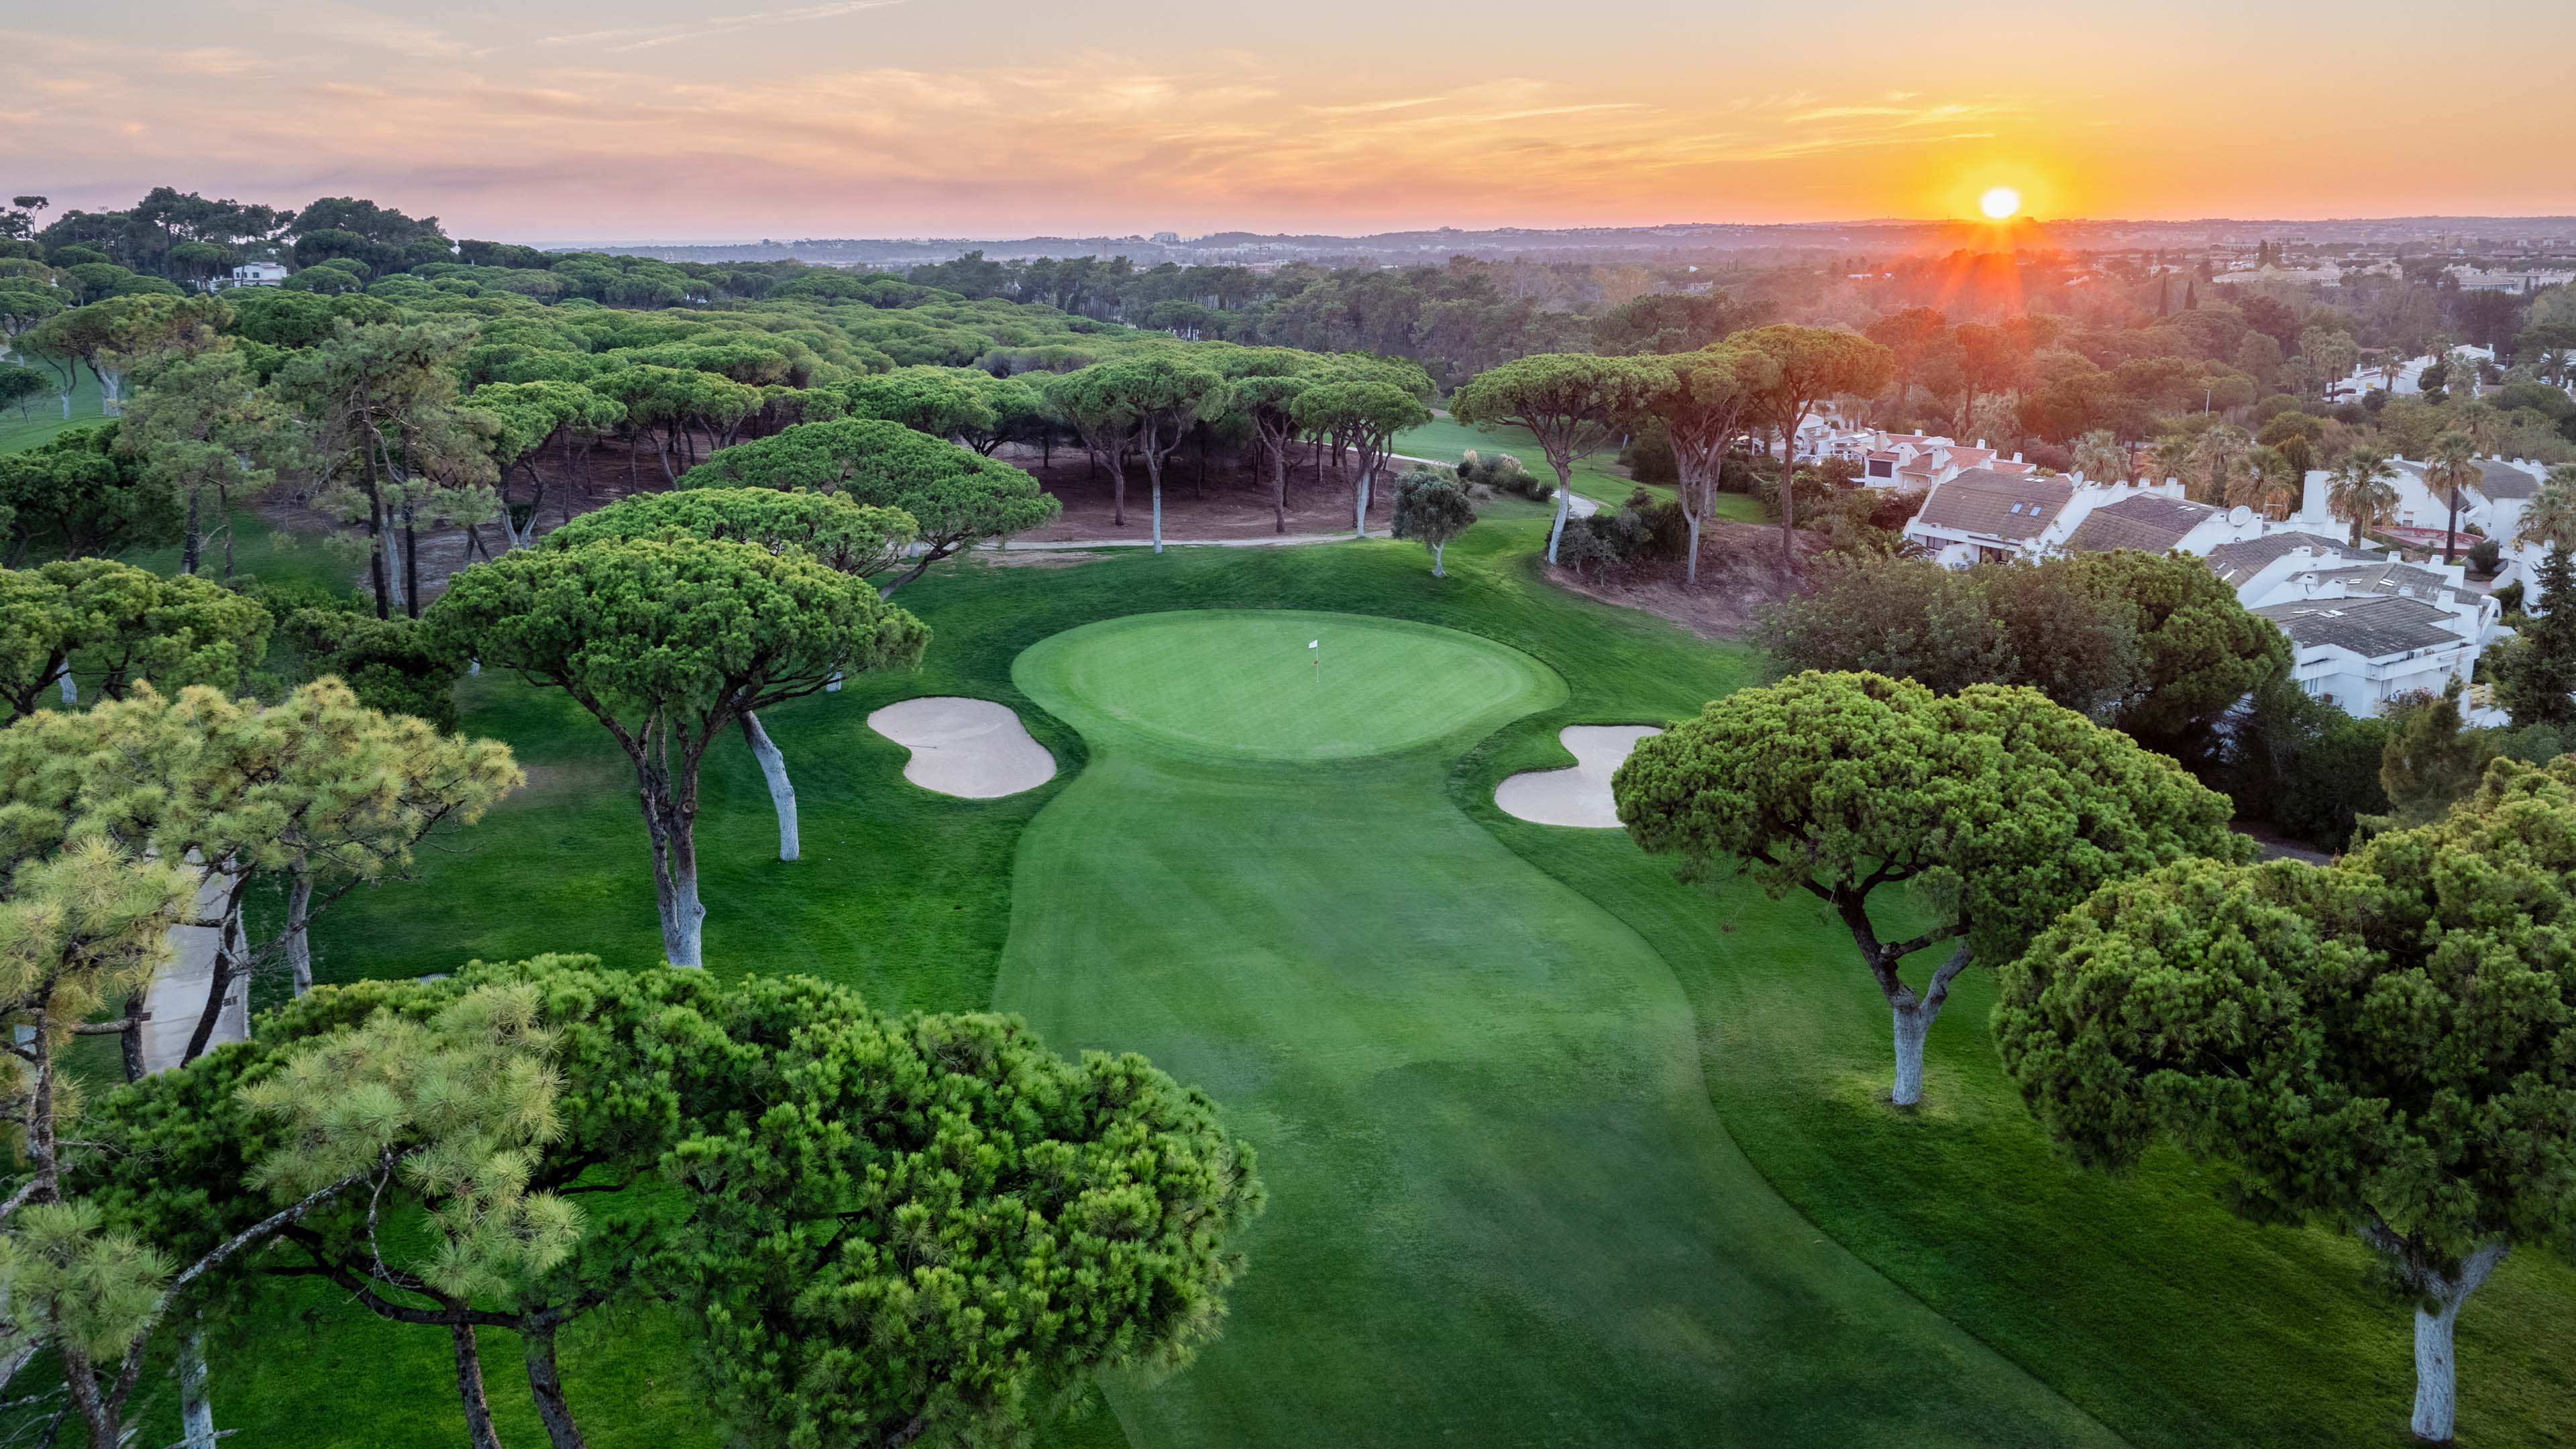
x=2149 y=521
x=2237 y=562
x=2374 y=628
x=1997 y=505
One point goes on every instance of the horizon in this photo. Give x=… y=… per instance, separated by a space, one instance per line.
x=897 y=119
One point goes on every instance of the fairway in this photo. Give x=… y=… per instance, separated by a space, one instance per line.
x=1245 y=684
x=1502 y=1211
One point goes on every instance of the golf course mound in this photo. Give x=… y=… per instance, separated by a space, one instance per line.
x=972 y=748
x=1284 y=685
x=1580 y=796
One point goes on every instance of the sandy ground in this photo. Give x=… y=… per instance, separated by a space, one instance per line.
x=177 y=995
x=972 y=748
x=1580 y=796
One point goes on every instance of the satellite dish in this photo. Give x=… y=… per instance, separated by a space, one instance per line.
x=2240 y=514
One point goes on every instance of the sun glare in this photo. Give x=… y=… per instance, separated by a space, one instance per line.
x=2000 y=203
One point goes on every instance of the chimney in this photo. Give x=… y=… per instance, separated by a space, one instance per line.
x=2016 y=456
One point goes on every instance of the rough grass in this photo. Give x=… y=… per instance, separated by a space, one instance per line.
x=1562 y=1151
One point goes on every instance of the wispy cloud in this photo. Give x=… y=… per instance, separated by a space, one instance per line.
x=649 y=37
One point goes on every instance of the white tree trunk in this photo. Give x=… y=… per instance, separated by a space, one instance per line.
x=196 y=1411
x=782 y=791
x=299 y=940
x=1359 y=505
x=1913 y=1024
x=1556 y=530
x=1435 y=560
x=2437 y=1394
x=1690 y=561
x=1158 y=510
x=70 y=688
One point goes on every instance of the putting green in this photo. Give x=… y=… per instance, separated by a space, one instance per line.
x=1502 y=1210
x=1244 y=683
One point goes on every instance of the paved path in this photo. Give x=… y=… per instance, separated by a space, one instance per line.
x=177 y=995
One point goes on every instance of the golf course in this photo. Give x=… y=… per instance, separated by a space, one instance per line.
x=1559 y=1150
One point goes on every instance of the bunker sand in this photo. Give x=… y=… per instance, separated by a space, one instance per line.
x=1580 y=796
x=971 y=748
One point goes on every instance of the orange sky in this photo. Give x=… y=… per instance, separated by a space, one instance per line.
x=666 y=119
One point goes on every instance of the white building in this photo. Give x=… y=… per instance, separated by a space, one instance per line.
x=252 y=274
x=2364 y=627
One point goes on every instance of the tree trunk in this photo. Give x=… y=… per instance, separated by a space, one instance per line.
x=1564 y=501
x=2451 y=533
x=675 y=880
x=479 y=1432
x=1279 y=486
x=1913 y=1024
x=1118 y=486
x=97 y=1414
x=299 y=938
x=2436 y=1374
x=1359 y=500
x=68 y=688
x=130 y=1040
x=196 y=1411
x=546 y=1385
x=1435 y=560
x=782 y=791
x=1788 y=495
x=217 y=987
x=411 y=565
x=376 y=544
x=194 y=543
x=1690 y=560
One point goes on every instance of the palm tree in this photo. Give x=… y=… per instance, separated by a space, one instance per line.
x=2100 y=457
x=2363 y=490
x=2455 y=465
x=2170 y=458
x=2271 y=482
x=2219 y=461
x=2391 y=363
x=2550 y=518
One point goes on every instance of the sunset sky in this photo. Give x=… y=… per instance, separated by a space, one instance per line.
x=702 y=120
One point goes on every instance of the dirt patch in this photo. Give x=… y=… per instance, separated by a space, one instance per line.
x=1052 y=558
x=1740 y=575
x=1231 y=500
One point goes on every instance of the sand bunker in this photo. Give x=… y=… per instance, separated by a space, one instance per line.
x=1580 y=796
x=969 y=747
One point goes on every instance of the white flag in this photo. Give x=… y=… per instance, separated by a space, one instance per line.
x=1314 y=643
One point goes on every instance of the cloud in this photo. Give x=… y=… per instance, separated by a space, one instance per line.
x=626 y=41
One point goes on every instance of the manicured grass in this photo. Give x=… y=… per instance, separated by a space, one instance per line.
x=1502 y=1211
x=1448 y=441
x=1561 y=1151
x=42 y=418
x=1595 y=477
x=1252 y=684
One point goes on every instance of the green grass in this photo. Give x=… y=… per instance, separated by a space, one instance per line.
x=42 y=418
x=1561 y=1151
x=1502 y=1210
x=1596 y=477
x=1245 y=684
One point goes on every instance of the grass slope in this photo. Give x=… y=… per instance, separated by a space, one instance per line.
x=2138 y=1300
x=1502 y=1211
x=1595 y=478
x=42 y=418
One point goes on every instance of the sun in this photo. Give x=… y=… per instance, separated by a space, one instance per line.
x=2000 y=203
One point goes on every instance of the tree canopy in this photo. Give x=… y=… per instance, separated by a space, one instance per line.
x=2385 y=1044
x=1992 y=808
x=666 y=643
x=955 y=496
